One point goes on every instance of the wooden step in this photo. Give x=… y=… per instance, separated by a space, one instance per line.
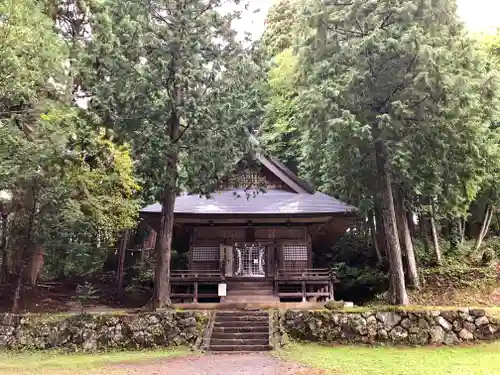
x=254 y=312
x=238 y=342
x=239 y=348
x=247 y=318
x=253 y=285
x=240 y=335
x=256 y=299
x=243 y=329
x=246 y=293
x=240 y=323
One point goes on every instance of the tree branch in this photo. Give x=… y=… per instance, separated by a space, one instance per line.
x=210 y=4
x=181 y=134
x=341 y=31
x=385 y=21
x=398 y=87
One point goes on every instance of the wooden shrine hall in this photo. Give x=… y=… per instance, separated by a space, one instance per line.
x=252 y=240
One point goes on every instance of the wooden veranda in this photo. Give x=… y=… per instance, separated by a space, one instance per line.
x=308 y=285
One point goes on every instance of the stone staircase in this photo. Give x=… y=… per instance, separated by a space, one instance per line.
x=239 y=291
x=240 y=331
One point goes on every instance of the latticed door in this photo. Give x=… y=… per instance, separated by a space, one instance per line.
x=295 y=257
x=250 y=260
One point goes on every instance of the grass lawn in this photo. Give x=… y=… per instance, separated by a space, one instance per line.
x=54 y=363
x=357 y=360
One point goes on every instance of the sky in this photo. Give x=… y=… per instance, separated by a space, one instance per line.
x=478 y=15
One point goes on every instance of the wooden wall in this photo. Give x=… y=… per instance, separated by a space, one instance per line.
x=287 y=247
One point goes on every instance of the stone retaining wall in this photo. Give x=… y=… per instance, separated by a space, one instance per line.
x=396 y=327
x=92 y=332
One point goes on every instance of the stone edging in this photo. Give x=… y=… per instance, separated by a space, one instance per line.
x=101 y=332
x=423 y=327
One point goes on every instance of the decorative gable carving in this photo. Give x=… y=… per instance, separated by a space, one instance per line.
x=252 y=176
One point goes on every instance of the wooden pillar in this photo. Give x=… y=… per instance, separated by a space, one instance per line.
x=195 y=292
x=121 y=263
x=309 y=251
x=304 y=299
x=330 y=290
x=222 y=258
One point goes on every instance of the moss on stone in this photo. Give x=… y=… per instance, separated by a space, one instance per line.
x=393 y=326
x=101 y=332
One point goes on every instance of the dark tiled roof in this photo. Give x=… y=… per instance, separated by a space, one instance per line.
x=273 y=201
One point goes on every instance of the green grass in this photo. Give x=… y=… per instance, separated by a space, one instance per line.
x=360 y=360
x=410 y=308
x=30 y=363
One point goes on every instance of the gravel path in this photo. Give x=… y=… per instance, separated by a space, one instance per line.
x=224 y=364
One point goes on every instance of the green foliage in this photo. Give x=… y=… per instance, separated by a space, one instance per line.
x=351 y=249
x=80 y=183
x=72 y=186
x=359 y=284
x=86 y=293
x=142 y=280
x=30 y=58
x=362 y=281
x=150 y=72
x=403 y=75
x=281 y=27
x=355 y=266
x=279 y=129
x=414 y=80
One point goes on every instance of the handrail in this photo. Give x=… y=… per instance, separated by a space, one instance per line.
x=306 y=273
x=196 y=274
x=195 y=271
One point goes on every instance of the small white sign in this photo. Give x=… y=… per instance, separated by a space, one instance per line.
x=222 y=290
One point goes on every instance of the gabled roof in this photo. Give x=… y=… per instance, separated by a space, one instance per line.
x=272 y=202
x=302 y=199
x=284 y=174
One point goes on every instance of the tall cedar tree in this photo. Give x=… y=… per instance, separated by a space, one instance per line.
x=172 y=76
x=385 y=86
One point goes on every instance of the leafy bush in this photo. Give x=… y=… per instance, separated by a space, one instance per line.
x=351 y=249
x=142 y=275
x=354 y=262
x=359 y=284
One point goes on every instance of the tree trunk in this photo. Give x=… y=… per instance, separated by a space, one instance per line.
x=18 y=291
x=4 y=268
x=34 y=264
x=411 y=223
x=120 y=273
x=371 y=223
x=25 y=255
x=435 y=238
x=461 y=231
x=397 y=277
x=407 y=244
x=379 y=223
x=422 y=221
x=161 y=294
x=161 y=297
x=488 y=215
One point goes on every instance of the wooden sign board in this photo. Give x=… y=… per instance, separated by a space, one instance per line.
x=222 y=290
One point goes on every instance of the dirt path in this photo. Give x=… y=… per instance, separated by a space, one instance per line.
x=230 y=364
